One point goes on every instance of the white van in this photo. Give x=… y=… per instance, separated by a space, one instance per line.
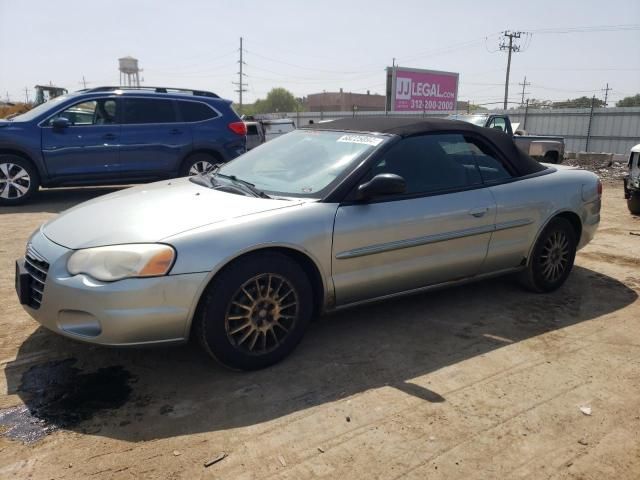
x=275 y=128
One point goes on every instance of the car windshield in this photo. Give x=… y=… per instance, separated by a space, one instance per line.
x=39 y=110
x=478 y=120
x=303 y=163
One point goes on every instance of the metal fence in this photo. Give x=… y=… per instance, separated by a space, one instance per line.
x=609 y=130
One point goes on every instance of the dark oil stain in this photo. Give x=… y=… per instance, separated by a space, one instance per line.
x=59 y=395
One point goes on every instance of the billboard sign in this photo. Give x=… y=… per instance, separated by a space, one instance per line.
x=415 y=90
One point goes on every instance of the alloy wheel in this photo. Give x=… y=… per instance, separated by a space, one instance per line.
x=201 y=167
x=14 y=181
x=555 y=256
x=261 y=314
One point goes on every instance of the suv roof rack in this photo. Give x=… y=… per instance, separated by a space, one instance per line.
x=198 y=93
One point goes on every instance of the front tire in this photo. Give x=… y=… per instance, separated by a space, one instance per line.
x=552 y=258
x=255 y=312
x=19 y=180
x=633 y=202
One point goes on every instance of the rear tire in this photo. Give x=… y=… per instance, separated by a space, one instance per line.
x=198 y=164
x=19 y=180
x=552 y=258
x=551 y=157
x=633 y=202
x=255 y=312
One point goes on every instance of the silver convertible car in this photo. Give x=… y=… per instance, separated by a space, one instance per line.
x=319 y=219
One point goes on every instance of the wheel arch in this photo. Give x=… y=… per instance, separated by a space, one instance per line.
x=553 y=156
x=306 y=262
x=24 y=156
x=572 y=217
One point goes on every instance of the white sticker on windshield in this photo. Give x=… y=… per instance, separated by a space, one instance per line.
x=363 y=139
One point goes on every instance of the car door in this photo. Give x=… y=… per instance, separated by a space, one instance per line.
x=154 y=141
x=437 y=231
x=502 y=123
x=90 y=145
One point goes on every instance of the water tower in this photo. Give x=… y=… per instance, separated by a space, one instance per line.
x=129 y=71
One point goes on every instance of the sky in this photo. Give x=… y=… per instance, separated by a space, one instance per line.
x=572 y=48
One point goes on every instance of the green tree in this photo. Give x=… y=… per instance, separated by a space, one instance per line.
x=581 y=102
x=278 y=100
x=629 y=101
x=539 y=103
x=476 y=108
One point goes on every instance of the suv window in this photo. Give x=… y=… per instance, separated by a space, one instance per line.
x=148 y=110
x=93 y=112
x=195 y=111
x=432 y=163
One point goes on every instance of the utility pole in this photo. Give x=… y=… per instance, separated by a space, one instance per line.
x=26 y=95
x=510 y=47
x=524 y=84
x=593 y=102
x=606 y=93
x=240 y=82
x=84 y=82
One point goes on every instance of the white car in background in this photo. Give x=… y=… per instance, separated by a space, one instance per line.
x=275 y=128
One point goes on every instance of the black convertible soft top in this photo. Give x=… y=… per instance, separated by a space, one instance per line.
x=406 y=127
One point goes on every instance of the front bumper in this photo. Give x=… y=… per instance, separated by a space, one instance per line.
x=134 y=311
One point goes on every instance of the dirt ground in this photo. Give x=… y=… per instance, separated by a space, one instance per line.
x=483 y=381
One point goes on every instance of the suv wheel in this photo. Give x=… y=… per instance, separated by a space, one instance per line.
x=198 y=164
x=255 y=312
x=633 y=202
x=18 y=180
x=552 y=258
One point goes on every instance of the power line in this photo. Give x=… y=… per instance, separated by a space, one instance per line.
x=510 y=47
x=589 y=29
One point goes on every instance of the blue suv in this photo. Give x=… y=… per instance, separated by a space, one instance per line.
x=116 y=135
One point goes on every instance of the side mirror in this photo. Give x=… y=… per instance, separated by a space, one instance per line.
x=496 y=127
x=382 y=184
x=60 y=123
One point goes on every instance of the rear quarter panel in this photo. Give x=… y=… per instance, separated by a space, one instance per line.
x=214 y=135
x=537 y=200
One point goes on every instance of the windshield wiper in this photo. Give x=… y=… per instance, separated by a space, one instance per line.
x=248 y=185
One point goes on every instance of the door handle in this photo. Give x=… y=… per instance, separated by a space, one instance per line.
x=175 y=131
x=109 y=136
x=478 y=212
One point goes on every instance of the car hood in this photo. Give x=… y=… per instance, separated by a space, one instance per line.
x=150 y=213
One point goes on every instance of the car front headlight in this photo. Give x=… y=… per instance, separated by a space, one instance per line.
x=116 y=262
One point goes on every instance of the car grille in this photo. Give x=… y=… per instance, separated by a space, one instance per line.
x=38 y=268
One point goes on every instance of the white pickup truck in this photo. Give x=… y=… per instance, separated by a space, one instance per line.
x=632 y=181
x=549 y=149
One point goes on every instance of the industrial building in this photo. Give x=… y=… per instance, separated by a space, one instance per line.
x=343 y=102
